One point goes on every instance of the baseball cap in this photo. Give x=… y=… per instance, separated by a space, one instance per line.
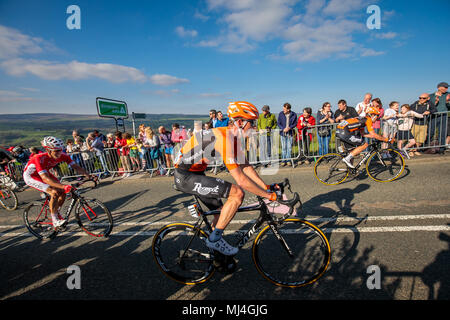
x=443 y=84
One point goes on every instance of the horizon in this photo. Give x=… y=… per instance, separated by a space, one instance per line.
x=201 y=55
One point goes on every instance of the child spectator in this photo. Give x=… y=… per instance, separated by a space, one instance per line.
x=390 y=122
x=123 y=151
x=405 y=123
x=134 y=153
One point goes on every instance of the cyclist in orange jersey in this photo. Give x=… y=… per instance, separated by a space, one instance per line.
x=351 y=132
x=215 y=144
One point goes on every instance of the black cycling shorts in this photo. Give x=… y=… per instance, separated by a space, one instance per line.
x=209 y=190
x=350 y=140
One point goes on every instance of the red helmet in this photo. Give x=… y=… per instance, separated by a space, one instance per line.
x=242 y=109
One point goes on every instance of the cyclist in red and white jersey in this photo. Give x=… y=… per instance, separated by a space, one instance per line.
x=38 y=176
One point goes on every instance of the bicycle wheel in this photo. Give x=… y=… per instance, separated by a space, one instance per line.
x=330 y=169
x=38 y=220
x=8 y=199
x=307 y=260
x=180 y=252
x=94 y=217
x=385 y=165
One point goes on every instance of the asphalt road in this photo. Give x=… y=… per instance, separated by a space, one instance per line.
x=402 y=227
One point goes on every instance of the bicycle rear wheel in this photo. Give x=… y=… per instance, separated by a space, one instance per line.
x=180 y=252
x=330 y=169
x=8 y=199
x=94 y=217
x=38 y=220
x=385 y=165
x=307 y=260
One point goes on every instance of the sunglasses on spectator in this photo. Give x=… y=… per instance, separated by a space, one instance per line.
x=422 y=97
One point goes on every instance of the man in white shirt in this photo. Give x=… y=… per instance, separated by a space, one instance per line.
x=362 y=106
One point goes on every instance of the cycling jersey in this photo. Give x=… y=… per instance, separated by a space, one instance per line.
x=350 y=131
x=42 y=163
x=353 y=125
x=208 y=145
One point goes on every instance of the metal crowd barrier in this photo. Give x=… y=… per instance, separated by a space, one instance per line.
x=262 y=147
x=433 y=134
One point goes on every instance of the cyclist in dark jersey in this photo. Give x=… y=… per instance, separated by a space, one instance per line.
x=351 y=132
x=215 y=144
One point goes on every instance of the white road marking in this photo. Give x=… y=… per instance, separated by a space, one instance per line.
x=315 y=220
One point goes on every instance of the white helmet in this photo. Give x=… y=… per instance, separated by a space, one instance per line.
x=52 y=143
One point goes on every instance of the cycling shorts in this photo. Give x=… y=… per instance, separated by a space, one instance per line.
x=208 y=189
x=350 y=140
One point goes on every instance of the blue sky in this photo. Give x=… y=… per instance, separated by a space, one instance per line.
x=191 y=56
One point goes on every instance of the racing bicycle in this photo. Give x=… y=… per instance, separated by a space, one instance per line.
x=8 y=198
x=92 y=215
x=288 y=252
x=382 y=165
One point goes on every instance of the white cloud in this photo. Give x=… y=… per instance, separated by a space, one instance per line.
x=166 y=80
x=371 y=53
x=182 y=32
x=12 y=96
x=14 y=43
x=73 y=70
x=386 y=35
x=16 y=46
x=316 y=30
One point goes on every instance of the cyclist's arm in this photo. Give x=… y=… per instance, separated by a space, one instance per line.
x=373 y=135
x=248 y=184
x=80 y=170
x=252 y=174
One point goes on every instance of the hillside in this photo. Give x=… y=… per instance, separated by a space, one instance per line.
x=28 y=129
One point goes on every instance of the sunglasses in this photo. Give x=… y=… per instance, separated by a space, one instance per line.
x=422 y=98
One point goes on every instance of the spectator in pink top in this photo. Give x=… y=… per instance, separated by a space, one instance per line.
x=377 y=104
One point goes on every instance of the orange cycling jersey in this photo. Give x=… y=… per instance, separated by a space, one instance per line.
x=208 y=145
x=356 y=124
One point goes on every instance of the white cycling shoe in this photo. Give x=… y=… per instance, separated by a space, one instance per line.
x=222 y=246
x=348 y=163
x=58 y=223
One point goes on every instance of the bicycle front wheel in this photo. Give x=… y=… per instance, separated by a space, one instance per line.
x=180 y=252
x=38 y=220
x=94 y=217
x=8 y=199
x=385 y=165
x=296 y=255
x=330 y=169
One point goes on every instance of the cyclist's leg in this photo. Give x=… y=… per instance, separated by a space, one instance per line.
x=230 y=207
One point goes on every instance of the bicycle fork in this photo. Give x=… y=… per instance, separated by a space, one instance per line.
x=281 y=239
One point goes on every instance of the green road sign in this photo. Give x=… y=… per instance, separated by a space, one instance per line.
x=112 y=108
x=138 y=115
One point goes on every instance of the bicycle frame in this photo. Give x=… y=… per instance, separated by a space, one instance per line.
x=372 y=149
x=264 y=216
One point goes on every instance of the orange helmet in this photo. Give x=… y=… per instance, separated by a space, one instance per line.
x=373 y=110
x=242 y=109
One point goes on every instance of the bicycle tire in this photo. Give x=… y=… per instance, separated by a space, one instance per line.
x=395 y=165
x=180 y=252
x=309 y=246
x=330 y=169
x=38 y=220
x=8 y=199
x=94 y=218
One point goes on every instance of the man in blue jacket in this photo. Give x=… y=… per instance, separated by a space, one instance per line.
x=287 y=121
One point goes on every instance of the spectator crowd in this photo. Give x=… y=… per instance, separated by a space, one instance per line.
x=412 y=125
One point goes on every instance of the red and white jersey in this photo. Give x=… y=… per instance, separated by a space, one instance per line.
x=42 y=162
